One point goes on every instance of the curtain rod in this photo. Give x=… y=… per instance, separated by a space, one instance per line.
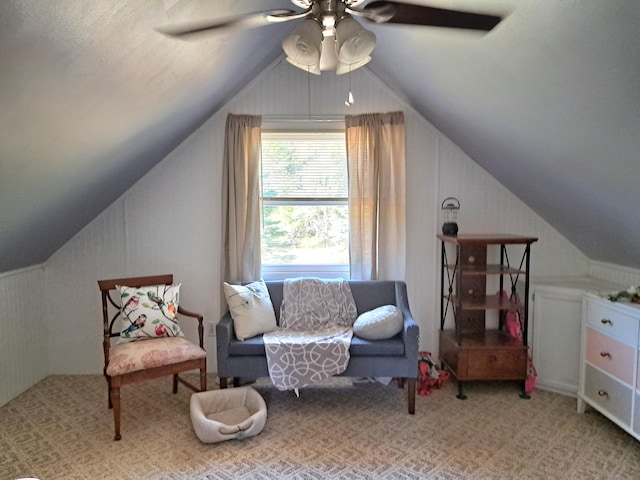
x=302 y=118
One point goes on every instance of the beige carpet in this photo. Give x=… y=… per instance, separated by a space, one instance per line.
x=61 y=429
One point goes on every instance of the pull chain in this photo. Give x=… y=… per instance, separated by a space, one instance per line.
x=309 y=90
x=349 y=100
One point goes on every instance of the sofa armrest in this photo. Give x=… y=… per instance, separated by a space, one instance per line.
x=411 y=332
x=224 y=334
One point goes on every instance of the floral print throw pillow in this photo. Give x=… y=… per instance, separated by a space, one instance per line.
x=149 y=312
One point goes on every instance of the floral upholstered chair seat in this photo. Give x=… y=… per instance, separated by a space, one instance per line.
x=142 y=355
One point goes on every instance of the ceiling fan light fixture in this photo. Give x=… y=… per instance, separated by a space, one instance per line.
x=329 y=57
x=354 y=42
x=304 y=45
x=343 y=68
x=315 y=68
x=329 y=24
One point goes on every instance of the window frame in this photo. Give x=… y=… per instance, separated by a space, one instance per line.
x=282 y=271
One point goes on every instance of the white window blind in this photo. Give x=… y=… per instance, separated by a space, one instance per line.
x=309 y=165
x=304 y=185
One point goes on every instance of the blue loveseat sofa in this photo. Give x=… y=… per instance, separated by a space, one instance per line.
x=394 y=357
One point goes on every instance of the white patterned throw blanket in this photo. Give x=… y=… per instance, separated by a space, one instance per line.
x=316 y=326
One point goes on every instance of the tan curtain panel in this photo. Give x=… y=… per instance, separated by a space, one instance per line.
x=241 y=199
x=377 y=195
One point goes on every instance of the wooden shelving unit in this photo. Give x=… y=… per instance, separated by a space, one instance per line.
x=471 y=351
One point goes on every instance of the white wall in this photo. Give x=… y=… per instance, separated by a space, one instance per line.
x=169 y=221
x=488 y=207
x=23 y=331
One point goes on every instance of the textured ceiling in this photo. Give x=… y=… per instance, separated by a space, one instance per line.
x=91 y=97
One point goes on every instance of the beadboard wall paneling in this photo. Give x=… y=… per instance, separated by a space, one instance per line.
x=486 y=206
x=614 y=273
x=73 y=299
x=291 y=92
x=170 y=220
x=23 y=331
x=173 y=225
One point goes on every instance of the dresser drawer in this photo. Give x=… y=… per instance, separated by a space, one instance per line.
x=608 y=394
x=612 y=321
x=490 y=364
x=611 y=355
x=636 y=415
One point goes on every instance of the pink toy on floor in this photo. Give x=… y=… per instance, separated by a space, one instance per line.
x=429 y=375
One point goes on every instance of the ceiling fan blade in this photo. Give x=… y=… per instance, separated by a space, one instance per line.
x=410 y=14
x=249 y=20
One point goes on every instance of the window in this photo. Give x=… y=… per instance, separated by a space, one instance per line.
x=305 y=220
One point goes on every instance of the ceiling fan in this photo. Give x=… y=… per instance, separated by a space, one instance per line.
x=329 y=38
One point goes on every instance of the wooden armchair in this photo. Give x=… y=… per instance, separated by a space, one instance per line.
x=140 y=355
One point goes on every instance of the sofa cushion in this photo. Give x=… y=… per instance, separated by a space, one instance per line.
x=380 y=323
x=251 y=309
x=360 y=347
x=253 y=346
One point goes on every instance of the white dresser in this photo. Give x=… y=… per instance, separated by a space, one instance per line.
x=610 y=361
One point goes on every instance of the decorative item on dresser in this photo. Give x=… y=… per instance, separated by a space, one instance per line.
x=471 y=351
x=610 y=362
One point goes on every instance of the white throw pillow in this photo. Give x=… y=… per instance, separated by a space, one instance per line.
x=251 y=309
x=379 y=323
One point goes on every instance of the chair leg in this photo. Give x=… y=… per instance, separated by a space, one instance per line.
x=223 y=382
x=236 y=381
x=412 y=395
x=115 y=397
x=109 y=392
x=175 y=383
x=203 y=379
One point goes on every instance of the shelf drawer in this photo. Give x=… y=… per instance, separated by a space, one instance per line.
x=611 y=355
x=493 y=364
x=613 y=322
x=608 y=394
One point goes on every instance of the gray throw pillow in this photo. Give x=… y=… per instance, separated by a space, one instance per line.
x=379 y=323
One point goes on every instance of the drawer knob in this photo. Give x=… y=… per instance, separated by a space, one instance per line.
x=603 y=393
x=605 y=354
x=606 y=321
x=493 y=358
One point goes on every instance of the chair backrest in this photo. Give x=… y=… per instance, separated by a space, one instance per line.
x=107 y=287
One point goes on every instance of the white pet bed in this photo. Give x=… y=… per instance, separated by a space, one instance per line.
x=230 y=413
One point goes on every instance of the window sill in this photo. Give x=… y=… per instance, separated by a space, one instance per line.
x=280 y=272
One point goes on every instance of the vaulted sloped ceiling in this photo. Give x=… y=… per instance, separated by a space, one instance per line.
x=91 y=98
